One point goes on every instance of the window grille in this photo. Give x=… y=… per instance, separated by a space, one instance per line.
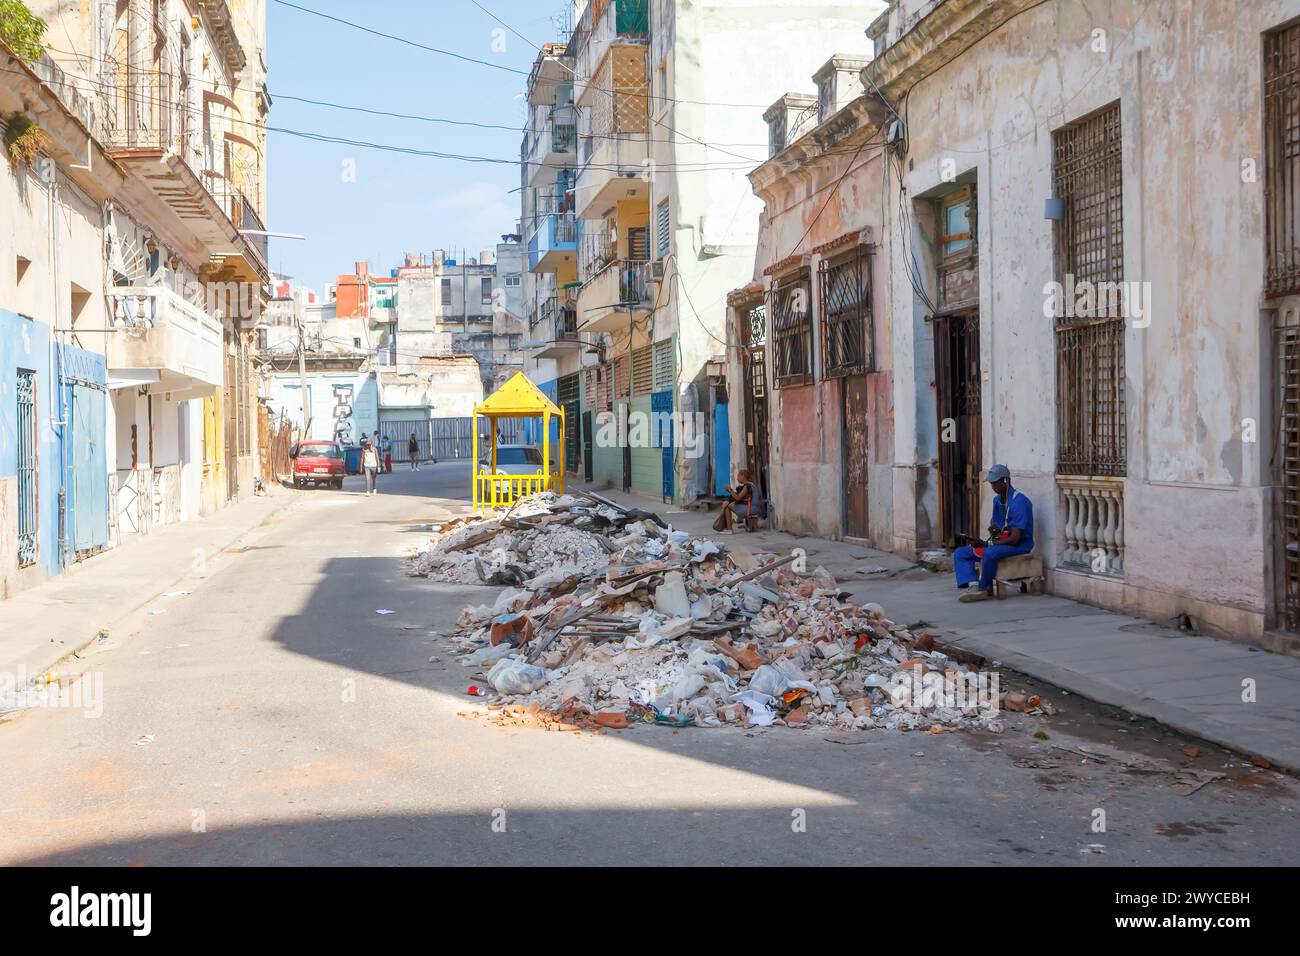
x=848 y=340
x=791 y=302
x=1091 y=421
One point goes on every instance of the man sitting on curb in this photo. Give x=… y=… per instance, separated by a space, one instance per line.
x=1010 y=532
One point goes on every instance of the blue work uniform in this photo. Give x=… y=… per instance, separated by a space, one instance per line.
x=1016 y=512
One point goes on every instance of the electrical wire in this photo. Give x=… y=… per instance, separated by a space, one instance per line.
x=143 y=98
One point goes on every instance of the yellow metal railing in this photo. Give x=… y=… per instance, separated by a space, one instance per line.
x=496 y=490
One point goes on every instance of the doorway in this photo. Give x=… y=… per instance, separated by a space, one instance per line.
x=957 y=393
x=753 y=332
x=856 y=467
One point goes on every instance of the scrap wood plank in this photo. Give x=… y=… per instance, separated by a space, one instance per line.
x=570 y=618
x=758 y=572
x=474 y=540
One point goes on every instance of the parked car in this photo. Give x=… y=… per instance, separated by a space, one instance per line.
x=516 y=460
x=317 y=462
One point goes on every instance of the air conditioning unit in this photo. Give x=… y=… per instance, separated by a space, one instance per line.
x=657 y=270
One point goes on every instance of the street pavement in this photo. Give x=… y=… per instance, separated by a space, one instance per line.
x=271 y=715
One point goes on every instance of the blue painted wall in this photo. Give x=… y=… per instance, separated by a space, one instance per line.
x=26 y=344
x=85 y=442
x=75 y=461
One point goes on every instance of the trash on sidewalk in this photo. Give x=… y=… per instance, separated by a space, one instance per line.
x=610 y=614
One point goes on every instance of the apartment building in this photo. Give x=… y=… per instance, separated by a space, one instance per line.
x=179 y=94
x=628 y=304
x=135 y=223
x=53 y=393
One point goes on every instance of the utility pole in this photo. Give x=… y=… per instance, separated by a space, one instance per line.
x=301 y=320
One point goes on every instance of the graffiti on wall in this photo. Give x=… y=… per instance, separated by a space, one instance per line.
x=343 y=413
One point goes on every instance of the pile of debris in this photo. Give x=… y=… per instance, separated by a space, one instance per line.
x=609 y=616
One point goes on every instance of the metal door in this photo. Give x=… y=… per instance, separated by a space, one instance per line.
x=661 y=409
x=1286 y=465
x=957 y=386
x=588 y=446
x=856 y=466
x=90 y=473
x=28 y=529
x=754 y=335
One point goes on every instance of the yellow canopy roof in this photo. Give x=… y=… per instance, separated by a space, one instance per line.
x=518 y=397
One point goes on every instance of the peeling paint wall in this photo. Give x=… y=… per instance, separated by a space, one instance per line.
x=1187 y=77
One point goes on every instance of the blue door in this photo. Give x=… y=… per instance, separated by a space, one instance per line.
x=721 y=450
x=661 y=411
x=89 y=470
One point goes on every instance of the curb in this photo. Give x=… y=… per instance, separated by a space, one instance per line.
x=1172 y=715
x=67 y=652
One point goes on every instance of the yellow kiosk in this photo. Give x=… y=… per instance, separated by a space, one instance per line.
x=517 y=398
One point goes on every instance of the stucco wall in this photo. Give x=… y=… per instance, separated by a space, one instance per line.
x=1187 y=77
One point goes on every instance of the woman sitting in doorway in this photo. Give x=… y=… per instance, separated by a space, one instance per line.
x=740 y=495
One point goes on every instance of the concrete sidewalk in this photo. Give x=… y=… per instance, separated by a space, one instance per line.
x=1191 y=683
x=42 y=625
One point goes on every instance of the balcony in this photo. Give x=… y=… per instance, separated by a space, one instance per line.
x=553 y=241
x=559 y=319
x=605 y=23
x=159 y=337
x=153 y=134
x=553 y=147
x=614 y=171
x=614 y=296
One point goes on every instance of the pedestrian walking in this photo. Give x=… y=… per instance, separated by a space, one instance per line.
x=388 y=455
x=413 y=450
x=370 y=465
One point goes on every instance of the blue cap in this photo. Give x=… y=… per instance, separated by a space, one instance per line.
x=997 y=473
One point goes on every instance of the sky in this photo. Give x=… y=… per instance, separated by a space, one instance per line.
x=353 y=202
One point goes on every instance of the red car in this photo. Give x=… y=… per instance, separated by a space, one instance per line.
x=320 y=462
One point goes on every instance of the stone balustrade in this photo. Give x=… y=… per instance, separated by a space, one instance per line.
x=1094 y=524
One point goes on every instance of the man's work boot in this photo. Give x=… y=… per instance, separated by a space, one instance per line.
x=974 y=594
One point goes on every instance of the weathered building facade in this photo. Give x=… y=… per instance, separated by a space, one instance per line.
x=638 y=235
x=1083 y=219
x=810 y=365
x=146 y=268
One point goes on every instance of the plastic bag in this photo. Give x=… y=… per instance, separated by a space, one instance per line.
x=768 y=680
x=489 y=655
x=512 y=676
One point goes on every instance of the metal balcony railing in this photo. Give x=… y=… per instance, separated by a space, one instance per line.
x=560 y=314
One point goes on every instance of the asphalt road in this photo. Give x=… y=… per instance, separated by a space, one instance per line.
x=272 y=716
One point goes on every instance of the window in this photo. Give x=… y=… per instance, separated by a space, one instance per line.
x=663 y=223
x=23 y=302
x=77 y=300
x=792 y=330
x=28 y=547
x=848 y=341
x=513 y=282
x=1282 y=160
x=1091 y=426
x=446 y=293
x=957 y=237
x=485 y=285
x=519 y=455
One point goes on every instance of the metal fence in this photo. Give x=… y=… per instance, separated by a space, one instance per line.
x=448 y=439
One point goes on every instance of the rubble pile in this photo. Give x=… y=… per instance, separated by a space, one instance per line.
x=609 y=616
